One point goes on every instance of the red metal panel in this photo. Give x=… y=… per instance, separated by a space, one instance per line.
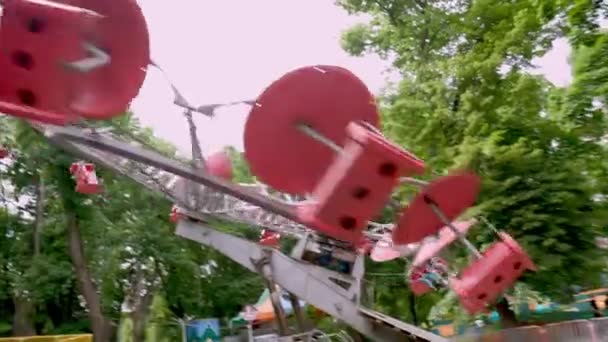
x=325 y=98
x=358 y=184
x=486 y=278
x=37 y=40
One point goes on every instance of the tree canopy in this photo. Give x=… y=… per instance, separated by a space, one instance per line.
x=467 y=98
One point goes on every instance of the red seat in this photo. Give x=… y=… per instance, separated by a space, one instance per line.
x=219 y=165
x=488 y=277
x=358 y=184
x=175 y=214
x=39 y=39
x=86 y=178
x=270 y=238
x=417 y=286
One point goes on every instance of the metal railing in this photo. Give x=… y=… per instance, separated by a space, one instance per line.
x=594 y=330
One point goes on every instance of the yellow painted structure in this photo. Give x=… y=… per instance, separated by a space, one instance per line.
x=58 y=338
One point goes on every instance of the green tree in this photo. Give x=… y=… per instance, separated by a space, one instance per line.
x=240 y=169
x=38 y=278
x=466 y=99
x=77 y=261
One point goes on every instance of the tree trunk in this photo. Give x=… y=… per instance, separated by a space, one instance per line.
x=102 y=330
x=139 y=317
x=25 y=310
x=23 y=323
x=139 y=299
x=507 y=316
x=39 y=222
x=413 y=308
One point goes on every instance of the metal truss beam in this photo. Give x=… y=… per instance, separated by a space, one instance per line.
x=157 y=160
x=309 y=282
x=174 y=188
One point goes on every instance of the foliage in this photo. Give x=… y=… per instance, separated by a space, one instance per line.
x=128 y=243
x=467 y=100
x=161 y=327
x=241 y=172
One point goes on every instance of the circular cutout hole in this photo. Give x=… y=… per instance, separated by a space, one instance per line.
x=387 y=169
x=498 y=279
x=517 y=265
x=348 y=222
x=360 y=192
x=27 y=97
x=23 y=60
x=482 y=296
x=35 y=25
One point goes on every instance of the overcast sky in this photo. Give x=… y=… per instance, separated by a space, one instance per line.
x=227 y=50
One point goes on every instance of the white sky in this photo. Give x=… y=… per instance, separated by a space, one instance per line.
x=226 y=50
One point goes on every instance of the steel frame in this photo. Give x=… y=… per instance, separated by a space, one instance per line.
x=311 y=283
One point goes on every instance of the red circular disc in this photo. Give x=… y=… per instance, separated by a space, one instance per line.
x=453 y=194
x=325 y=98
x=122 y=33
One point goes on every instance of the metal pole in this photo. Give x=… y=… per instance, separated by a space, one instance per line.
x=316 y=135
x=311 y=132
x=182 y=324
x=413 y=181
x=249 y=332
x=275 y=300
x=491 y=226
x=449 y=224
x=295 y=304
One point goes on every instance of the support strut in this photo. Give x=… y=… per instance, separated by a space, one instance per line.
x=308 y=282
x=295 y=277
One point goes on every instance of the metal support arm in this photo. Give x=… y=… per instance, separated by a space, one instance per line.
x=296 y=277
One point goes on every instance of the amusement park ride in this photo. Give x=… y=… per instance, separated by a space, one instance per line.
x=312 y=135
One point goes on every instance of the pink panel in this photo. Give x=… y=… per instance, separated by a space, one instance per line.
x=383 y=251
x=358 y=184
x=486 y=278
x=446 y=238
